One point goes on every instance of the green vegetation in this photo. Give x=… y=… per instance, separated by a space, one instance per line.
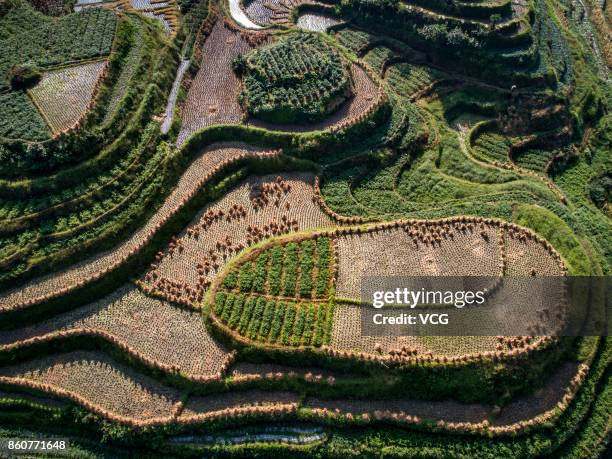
x=323 y=262
x=407 y=79
x=19 y=118
x=378 y=58
x=24 y=76
x=355 y=40
x=85 y=208
x=274 y=321
x=492 y=147
x=493 y=108
x=306 y=265
x=299 y=79
x=45 y=41
x=300 y=270
x=290 y=270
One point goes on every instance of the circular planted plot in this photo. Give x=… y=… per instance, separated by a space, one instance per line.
x=300 y=79
x=304 y=290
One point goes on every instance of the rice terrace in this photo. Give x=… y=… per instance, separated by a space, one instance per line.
x=193 y=192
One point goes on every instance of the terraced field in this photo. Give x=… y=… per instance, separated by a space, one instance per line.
x=93 y=378
x=59 y=283
x=64 y=96
x=196 y=194
x=213 y=95
x=280 y=295
x=165 y=335
x=366 y=98
x=259 y=208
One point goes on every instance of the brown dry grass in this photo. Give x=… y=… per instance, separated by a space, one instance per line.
x=448 y=410
x=542 y=400
x=246 y=370
x=525 y=255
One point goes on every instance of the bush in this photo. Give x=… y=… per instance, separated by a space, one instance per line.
x=600 y=190
x=24 y=76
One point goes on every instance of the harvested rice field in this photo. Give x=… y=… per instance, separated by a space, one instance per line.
x=316 y=22
x=91 y=269
x=153 y=328
x=94 y=378
x=213 y=95
x=259 y=208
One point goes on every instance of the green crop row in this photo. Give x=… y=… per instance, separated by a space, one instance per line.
x=307 y=249
x=275 y=271
x=298 y=79
x=20 y=119
x=378 y=57
x=261 y=271
x=290 y=269
x=246 y=277
x=262 y=319
x=287 y=269
x=323 y=266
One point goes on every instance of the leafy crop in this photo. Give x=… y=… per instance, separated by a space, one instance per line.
x=27 y=36
x=300 y=79
x=274 y=321
x=20 y=119
x=295 y=269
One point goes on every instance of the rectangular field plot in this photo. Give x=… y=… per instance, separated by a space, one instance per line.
x=64 y=96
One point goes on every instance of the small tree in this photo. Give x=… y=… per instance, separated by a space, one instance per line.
x=495 y=18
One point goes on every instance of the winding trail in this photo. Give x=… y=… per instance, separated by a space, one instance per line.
x=165 y=127
x=240 y=16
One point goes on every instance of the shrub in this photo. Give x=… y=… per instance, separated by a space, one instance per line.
x=23 y=76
